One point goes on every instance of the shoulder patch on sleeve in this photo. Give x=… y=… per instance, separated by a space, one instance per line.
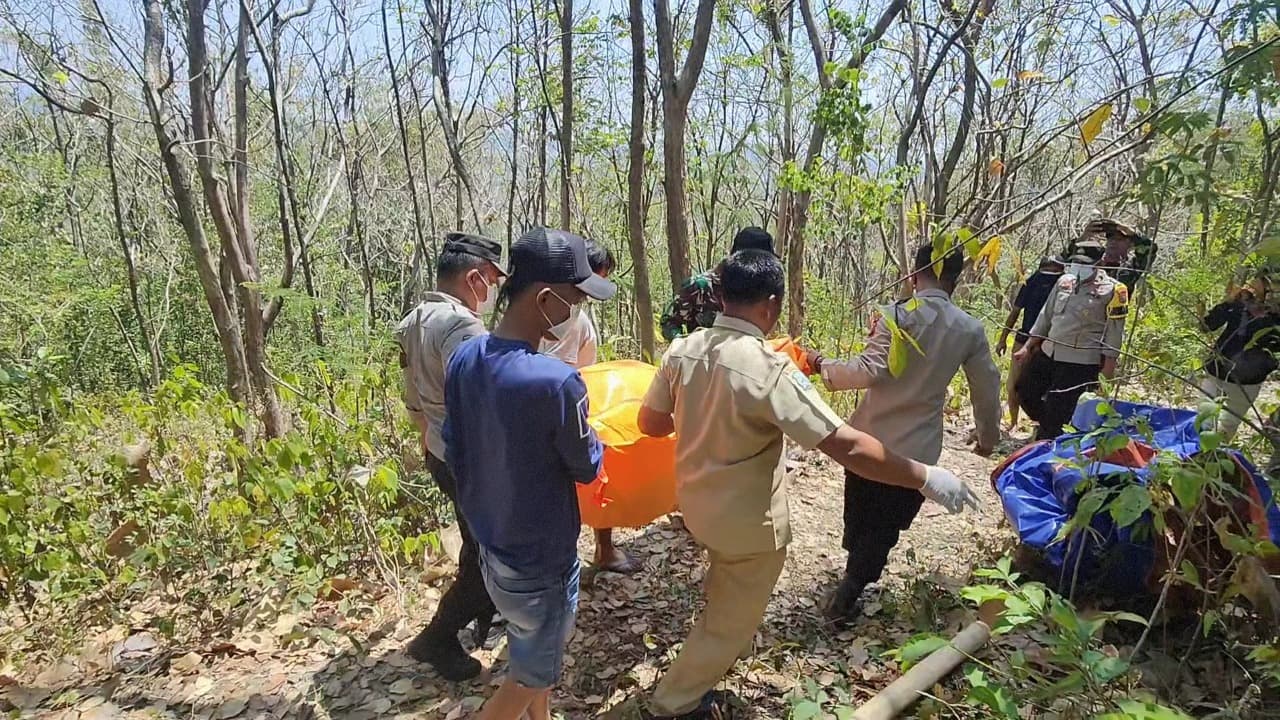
x=800 y=381
x=584 y=428
x=1119 y=305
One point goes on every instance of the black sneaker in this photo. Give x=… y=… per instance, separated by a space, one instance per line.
x=445 y=654
x=714 y=706
x=844 y=605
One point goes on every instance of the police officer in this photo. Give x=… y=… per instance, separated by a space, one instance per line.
x=1077 y=337
x=904 y=410
x=730 y=399
x=468 y=272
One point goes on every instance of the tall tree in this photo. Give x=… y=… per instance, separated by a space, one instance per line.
x=817 y=138
x=566 y=113
x=677 y=91
x=637 y=205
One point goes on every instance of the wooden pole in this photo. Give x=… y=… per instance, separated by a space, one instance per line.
x=920 y=679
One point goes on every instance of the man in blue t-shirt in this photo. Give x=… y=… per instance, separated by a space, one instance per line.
x=1031 y=297
x=517 y=439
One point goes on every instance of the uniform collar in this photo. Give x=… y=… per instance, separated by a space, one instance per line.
x=738 y=324
x=439 y=296
x=933 y=293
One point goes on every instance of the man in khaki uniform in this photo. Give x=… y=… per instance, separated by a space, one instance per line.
x=467 y=275
x=1077 y=337
x=905 y=410
x=730 y=399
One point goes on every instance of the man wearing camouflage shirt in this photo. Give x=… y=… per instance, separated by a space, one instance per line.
x=699 y=301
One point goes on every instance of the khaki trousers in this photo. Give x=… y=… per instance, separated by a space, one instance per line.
x=738 y=589
x=1237 y=401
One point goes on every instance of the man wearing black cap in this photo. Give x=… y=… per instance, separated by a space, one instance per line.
x=1031 y=297
x=517 y=439
x=699 y=301
x=468 y=272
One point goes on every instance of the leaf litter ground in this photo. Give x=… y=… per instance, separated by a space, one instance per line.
x=344 y=657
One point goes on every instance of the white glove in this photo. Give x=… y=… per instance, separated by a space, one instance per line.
x=949 y=491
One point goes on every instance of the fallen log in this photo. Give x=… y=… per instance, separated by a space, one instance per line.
x=921 y=678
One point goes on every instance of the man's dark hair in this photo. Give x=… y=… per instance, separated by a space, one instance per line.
x=950 y=265
x=600 y=258
x=749 y=276
x=453 y=263
x=752 y=238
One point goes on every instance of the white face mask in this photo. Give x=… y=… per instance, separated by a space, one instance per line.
x=560 y=330
x=490 y=301
x=486 y=306
x=1083 y=273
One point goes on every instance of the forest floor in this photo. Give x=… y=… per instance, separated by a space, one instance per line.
x=627 y=630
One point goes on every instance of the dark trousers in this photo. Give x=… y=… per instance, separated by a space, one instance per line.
x=874 y=515
x=466 y=599
x=1049 y=390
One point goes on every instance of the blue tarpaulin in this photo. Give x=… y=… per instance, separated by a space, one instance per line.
x=1041 y=486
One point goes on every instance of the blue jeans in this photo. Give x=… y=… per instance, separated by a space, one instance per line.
x=540 y=612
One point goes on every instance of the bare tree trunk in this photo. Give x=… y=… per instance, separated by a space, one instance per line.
x=636 y=205
x=131 y=268
x=246 y=270
x=180 y=185
x=786 y=62
x=420 y=249
x=438 y=32
x=677 y=90
x=818 y=137
x=566 y=113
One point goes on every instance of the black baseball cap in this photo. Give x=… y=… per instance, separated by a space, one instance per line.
x=478 y=245
x=1050 y=261
x=1081 y=259
x=556 y=256
x=753 y=238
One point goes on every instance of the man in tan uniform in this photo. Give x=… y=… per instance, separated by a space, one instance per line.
x=905 y=410
x=467 y=275
x=1077 y=337
x=730 y=399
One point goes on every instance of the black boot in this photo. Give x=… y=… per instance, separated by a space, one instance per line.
x=844 y=605
x=444 y=653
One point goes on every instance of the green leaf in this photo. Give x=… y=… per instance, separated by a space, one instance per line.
x=999 y=83
x=1207 y=622
x=1129 y=506
x=1190 y=574
x=1142 y=104
x=806 y=710
x=1187 y=485
x=897 y=354
x=996 y=698
x=918 y=649
x=1138 y=710
x=1210 y=441
x=1111 y=20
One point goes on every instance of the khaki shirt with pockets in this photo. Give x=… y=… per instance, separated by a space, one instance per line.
x=1082 y=322
x=905 y=412
x=428 y=335
x=733 y=398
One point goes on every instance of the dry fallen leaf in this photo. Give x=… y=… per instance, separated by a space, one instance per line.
x=187 y=663
x=230 y=708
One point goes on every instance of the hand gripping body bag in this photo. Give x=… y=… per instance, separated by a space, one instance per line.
x=638 y=482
